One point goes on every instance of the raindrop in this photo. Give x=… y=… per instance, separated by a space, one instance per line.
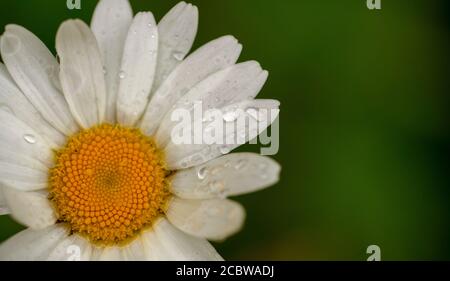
x=224 y=149
x=230 y=116
x=240 y=164
x=104 y=70
x=202 y=172
x=216 y=170
x=184 y=163
x=218 y=188
x=178 y=56
x=29 y=138
x=122 y=74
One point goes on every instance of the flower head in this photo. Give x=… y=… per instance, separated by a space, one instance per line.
x=87 y=158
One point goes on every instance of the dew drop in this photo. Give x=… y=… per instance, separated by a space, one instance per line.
x=224 y=149
x=29 y=138
x=202 y=172
x=230 y=116
x=10 y=45
x=218 y=188
x=178 y=56
x=240 y=164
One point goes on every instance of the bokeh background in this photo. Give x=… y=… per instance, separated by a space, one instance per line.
x=363 y=126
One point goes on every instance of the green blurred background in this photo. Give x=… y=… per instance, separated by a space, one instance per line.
x=363 y=125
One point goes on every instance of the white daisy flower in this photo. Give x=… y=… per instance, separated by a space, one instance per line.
x=86 y=158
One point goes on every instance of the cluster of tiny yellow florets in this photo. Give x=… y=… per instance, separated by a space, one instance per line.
x=108 y=183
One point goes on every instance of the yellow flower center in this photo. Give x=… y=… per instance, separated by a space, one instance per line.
x=108 y=183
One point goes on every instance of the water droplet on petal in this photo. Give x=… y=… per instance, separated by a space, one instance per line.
x=216 y=170
x=29 y=138
x=122 y=74
x=230 y=116
x=178 y=56
x=202 y=172
x=224 y=149
x=240 y=164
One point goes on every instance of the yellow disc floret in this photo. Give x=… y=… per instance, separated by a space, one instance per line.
x=108 y=183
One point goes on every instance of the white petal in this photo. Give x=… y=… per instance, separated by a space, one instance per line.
x=180 y=246
x=229 y=175
x=214 y=219
x=180 y=156
x=138 y=68
x=153 y=248
x=110 y=254
x=81 y=72
x=110 y=24
x=33 y=245
x=4 y=209
x=12 y=99
x=32 y=209
x=233 y=84
x=133 y=251
x=177 y=31
x=72 y=248
x=24 y=155
x=210 y=58
x=32 y=66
